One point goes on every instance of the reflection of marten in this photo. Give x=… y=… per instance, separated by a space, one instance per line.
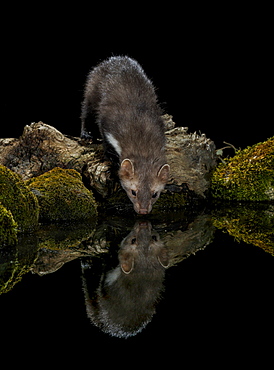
x=124 y=302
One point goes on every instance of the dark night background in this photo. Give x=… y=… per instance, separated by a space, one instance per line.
x=212 y=73
x=212 y=69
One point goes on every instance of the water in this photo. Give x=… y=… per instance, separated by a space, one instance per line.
x=150 y=280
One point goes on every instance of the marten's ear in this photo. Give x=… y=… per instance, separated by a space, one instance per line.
x=127 y=263
x=126 y=169
x=163 y=173
x=163 y=258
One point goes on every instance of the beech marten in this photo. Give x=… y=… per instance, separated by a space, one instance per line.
x=128 y=116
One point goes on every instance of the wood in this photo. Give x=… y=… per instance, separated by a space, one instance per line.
x=41 y=147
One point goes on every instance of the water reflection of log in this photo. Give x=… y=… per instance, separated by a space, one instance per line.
x=16 y=261
x=60 y=244
x=182 y=234
x=183 y=243
x=182 y=238
x=121 y=298
x=251 y=223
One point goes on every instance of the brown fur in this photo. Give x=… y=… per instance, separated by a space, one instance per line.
x=129 y=120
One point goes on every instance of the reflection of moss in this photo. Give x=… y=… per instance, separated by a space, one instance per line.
x=248 y=176
x=62 y=196
x=16 y=261
x=11 y=272
x=8 y=227
x=65 y=235
x=252 y=225
x=18 y=199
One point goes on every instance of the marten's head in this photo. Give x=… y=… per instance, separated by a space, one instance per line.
x=143 y=184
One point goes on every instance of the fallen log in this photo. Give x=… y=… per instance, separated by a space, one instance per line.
x=248 y=176
x=41 y=148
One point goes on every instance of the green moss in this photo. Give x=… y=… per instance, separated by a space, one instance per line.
x=62 y=196
x=18 y=199
x=16 y=261
x=65 y=235
x=251 y=225
x=169 y=200
x=248 y=176
x=8 y=227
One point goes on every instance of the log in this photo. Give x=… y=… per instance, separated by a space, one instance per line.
x=51 y=246
x=42 y=147
x=248 y=176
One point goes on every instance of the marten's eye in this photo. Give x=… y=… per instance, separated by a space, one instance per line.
x=133 y=192
x=154 y=237
x=133 y=241
x=155 y=195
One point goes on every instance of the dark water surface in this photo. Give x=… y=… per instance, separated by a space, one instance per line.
x=126 y=283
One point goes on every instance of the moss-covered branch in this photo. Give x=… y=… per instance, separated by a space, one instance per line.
x=62 y=196
x=17 y=198
x=248 y=176
x=42 y=148
x=55 y=166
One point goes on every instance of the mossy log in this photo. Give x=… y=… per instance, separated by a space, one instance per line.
x=41 y=148
x=248 y=176
x=62 y=196
x=17 y=198
x=8 y=227
x=57 y=195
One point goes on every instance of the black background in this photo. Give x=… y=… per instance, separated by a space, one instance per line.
x=211 y=70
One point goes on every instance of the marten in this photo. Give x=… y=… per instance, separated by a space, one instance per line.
x=125 y=106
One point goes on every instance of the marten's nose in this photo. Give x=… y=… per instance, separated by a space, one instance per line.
x=143 y=211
